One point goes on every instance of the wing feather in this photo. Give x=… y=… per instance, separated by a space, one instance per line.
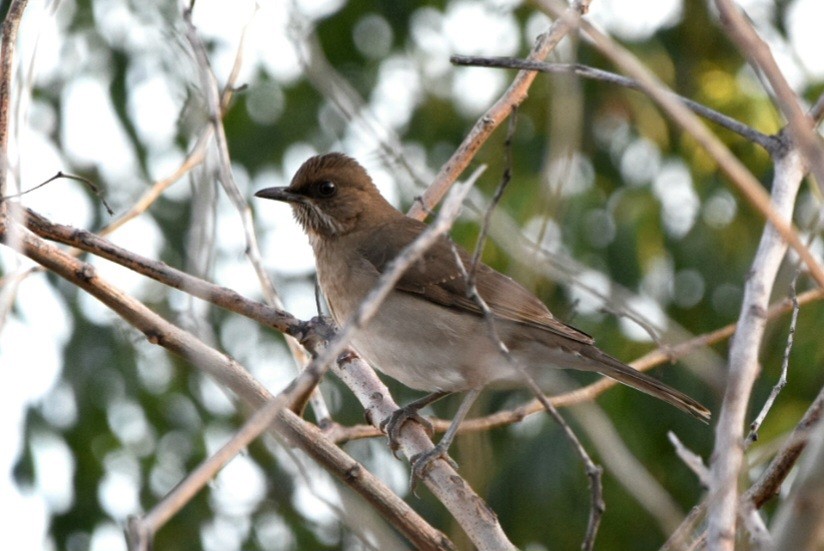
x=436 y=277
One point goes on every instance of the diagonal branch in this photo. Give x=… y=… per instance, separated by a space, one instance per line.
x=760 y=57
x=495 y=115
x=230 y=374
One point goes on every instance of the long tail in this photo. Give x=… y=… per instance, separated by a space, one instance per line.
x=609 y=366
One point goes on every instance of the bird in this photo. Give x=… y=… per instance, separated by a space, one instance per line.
x=430 y=333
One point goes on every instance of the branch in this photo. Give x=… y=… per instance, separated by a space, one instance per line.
x=229 y=374
x=181 y=494
x=785 y=363
x=799 y=522
x=769 y=143
x=758 y=54
x=495 y=115
x=744 y=365
x=196 y=155
x=215 y=103
x=769 y=483
x=690 y=459
x=738 y=174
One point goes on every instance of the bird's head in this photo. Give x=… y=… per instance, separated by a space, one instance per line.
x=332 y=195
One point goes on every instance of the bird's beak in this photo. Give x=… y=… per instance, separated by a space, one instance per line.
x=279 y=194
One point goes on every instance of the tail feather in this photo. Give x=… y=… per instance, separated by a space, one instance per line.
x=609 y=366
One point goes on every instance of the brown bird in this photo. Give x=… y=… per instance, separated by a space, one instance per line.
x=429 y=334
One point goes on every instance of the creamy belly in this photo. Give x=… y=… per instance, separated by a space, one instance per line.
x=428 y=347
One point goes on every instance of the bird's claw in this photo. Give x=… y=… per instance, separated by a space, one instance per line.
x=422 y=462
x=392 y=425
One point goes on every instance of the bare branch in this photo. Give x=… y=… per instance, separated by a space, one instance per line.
x=744 y=365
x=769 y=143
x=91 y=185
x=506 y=177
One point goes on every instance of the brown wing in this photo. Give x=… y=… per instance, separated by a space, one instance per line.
x=436 y=277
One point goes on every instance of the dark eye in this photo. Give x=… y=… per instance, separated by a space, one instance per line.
x=326 y=189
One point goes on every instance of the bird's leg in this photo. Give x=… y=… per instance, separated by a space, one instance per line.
x=392 y=424
x=422 y=461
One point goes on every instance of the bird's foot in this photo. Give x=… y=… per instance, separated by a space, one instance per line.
x=392 y=425
x=422 y=462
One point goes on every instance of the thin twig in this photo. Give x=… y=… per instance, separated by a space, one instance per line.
x=60 y=174
x=771 y=144
x=506 y=177
x=690 y=459
x=593 y=471
x=799 y=522
x=196 y=154
x=771 y=478
x=785 y=362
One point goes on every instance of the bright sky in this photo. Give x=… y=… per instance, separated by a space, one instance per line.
x=32 y=340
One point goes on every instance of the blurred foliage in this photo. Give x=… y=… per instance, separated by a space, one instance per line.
x=531 y=477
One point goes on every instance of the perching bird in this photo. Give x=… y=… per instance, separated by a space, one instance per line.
x=429 y=334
